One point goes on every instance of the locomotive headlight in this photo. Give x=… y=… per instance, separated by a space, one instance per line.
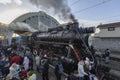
x=97 y=30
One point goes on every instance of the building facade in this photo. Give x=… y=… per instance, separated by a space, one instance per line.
x=108 y=37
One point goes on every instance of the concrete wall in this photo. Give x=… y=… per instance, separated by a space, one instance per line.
x=102 y=43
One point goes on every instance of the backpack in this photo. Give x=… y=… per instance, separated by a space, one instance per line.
x=93 y=77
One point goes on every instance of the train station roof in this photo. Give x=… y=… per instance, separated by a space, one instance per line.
x=33 y=21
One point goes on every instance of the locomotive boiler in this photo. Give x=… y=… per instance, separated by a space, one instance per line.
x=69 y=42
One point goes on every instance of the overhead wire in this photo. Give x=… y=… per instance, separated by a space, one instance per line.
x=110 y=17
x=75 y=2
x=98 y=4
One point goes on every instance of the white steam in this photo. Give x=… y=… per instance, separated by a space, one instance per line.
x=5 y=1
x=42 y=27
x=20 y=26
x=18 y=2
x=60 y=7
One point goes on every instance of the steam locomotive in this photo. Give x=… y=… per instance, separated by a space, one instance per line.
x=69 y=42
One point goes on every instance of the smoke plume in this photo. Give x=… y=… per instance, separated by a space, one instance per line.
x=18 y=2
x=19 y=26
x=60 y=7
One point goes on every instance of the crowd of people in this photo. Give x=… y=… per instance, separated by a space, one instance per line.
x=21 y=63
x=16 y=63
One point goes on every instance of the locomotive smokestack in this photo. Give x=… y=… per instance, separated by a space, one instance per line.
x=72 y=18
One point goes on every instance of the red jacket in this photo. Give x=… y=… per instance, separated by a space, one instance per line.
x=15 y=59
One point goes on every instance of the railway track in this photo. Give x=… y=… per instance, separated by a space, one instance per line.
x=115 y=58
x=113 y=67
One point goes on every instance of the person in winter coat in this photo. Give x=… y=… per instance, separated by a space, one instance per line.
x=81 y=71
x=14 y=71
x=107 y=56
x=58 y=70
x=15 y=59
x=26 y=63
x=37 y=60
x=45 y=68
x=5 y=69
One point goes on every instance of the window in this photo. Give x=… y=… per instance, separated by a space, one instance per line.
x=111 y=28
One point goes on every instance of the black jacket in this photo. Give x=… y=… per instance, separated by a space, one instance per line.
x=72 y=77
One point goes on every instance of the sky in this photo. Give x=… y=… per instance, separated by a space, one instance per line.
x=87 y=12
